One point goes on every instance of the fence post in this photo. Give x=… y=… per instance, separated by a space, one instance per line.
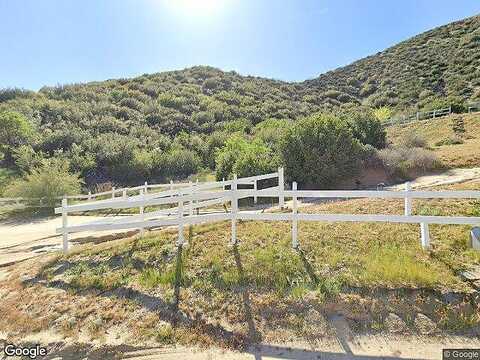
x=196 y=201
x=449 y=109
x=294 y=218
x=234 y=209
x=146 y=187
x=113 y=192
x=124 y=193
x=190 y=203
x=408 y=201
x=142 y=209
x=89 y=195
x=425 y=235
x=181 y=237
x=65 y=224
x=281 y=186
x=255 y=198
x=434 y=113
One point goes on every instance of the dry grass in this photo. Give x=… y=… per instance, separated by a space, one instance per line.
x=438 y=130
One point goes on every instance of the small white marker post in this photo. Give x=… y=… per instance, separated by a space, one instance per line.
x=408 y=201
x=281 y=188
x=294 y=221
x=255 y=199
x=89 y=195
x=65 y=224
x=234 y=209
x=171 y=187
x=146 y=187
x=425 y=235
x=113 y=192
x=124 y=193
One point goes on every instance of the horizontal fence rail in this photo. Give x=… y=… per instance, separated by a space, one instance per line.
x=185 y=201
x=420 y=115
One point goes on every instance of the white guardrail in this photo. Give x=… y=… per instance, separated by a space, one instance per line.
x=186 y=200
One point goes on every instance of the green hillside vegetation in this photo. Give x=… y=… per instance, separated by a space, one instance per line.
x=170 y=125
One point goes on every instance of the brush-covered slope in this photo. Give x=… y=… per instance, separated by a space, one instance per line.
x=441 y=62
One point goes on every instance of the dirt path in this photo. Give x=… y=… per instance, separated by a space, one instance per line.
x=365 y=347
x=20 y=240
x=453 y=176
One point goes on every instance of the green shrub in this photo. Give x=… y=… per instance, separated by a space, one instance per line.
x=320 y=150
x=48 y=182
x=451 y=140
x=244 y=158
x=176 y=163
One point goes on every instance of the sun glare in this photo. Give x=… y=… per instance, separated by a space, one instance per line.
x=197 y=8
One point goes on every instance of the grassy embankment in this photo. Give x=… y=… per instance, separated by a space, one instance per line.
x=262 y=289
x=455 y=149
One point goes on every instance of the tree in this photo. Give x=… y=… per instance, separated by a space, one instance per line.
x=15 y=130
x=320 y=150
x=48 y=181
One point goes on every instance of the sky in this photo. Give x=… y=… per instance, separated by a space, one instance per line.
x=50 y=42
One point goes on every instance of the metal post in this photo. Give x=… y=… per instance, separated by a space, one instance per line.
x=255 y=199
x=181 y=237
x=294 y=220
x=113 y=192
x=408 y=201
x=142 y=209
x=425 y=235
x=281 y=187
x=234 y=209
x=65 y=224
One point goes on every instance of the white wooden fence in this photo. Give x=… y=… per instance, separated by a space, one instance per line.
x=195 y=195
x=186 y=200
x=419 y=115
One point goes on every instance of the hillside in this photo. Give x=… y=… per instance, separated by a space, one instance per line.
x=169 y=125
x=441 y=62
x=456 y=149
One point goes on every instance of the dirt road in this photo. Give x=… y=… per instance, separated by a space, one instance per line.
x=453 y=176
x=20 y=240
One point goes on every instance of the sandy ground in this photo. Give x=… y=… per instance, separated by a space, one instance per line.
x=452 y=176
x=366 y=347
x=22 y=240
